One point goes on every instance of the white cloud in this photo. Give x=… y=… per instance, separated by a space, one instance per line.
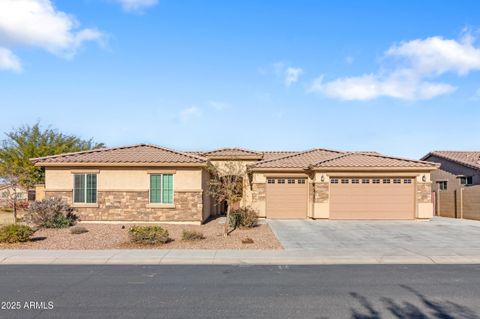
x=218 y=105
x=437 y=55
x=411 y=77
x=189 y=113
x=288 y=74
x=37 y=23
x=136 y=5
x=371 y=86
x=292 y=75
x=8 y=61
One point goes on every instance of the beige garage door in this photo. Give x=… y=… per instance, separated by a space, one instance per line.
x=287 y=198
x=372 y=198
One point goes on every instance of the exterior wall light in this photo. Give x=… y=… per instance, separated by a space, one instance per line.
x=424 y=178
x=322 y=178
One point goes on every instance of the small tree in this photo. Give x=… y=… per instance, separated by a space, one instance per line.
x=11 y=180
x=226 y=185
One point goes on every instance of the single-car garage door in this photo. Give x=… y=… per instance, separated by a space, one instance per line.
x=372 y=198
x=287 y=198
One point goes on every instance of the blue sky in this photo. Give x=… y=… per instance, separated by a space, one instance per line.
x=398 y=77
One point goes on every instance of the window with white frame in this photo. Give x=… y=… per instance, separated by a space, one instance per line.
x=301 y=181
x=85 y=188
x=271 y=181
x=334 y=180
x=161 y=188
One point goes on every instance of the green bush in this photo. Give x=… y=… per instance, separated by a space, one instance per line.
x=15 y=233
x=150 y=235
x=243 y=217
x=192 y=235
x=76 y=230
x=51 y=213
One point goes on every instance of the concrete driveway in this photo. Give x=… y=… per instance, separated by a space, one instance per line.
x=438 y=237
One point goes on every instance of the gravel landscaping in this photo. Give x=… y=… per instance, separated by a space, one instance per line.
x=113 y=236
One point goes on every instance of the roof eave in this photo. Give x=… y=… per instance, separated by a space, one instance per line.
x=97 y=164
x=277 y=169
x=379 y=169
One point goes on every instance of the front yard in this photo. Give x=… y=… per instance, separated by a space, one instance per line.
x=115 y=236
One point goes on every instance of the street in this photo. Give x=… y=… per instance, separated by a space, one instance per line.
x=336 y=291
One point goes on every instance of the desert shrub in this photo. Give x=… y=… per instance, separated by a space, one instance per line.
x=15 y=233
x=21 y=204
x=51 y=213
x=76 y=230
x=244 y=217
x=148 y=235
x=192 y=235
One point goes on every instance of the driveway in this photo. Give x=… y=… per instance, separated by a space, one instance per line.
x=438 y=237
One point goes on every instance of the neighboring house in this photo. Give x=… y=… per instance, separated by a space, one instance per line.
x=7 y=192
x=457 y=169
x=151 y=183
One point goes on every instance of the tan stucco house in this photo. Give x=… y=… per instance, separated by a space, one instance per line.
x=151 y=183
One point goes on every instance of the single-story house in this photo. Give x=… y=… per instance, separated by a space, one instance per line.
x=151 y=183
x=456 y=169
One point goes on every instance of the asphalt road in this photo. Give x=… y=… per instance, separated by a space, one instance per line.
x=363 y=291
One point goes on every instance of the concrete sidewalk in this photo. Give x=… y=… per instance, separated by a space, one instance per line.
x=213 y=257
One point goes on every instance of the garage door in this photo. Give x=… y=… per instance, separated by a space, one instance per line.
x=372 y=198
x=287 y=198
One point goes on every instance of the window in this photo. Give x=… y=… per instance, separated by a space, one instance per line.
x=442 y=185
x=281 y=181
x=355 y=181
x=301 y=181
x=466 y=180
x=375 y=181
x=334 y=181
x=161 y=188
x=85 y=188
x=345 y=181
x=407 y=181
x=365 y=181
x=270 y=181
x=397 y=181
x=386 y=181
x=291 y=181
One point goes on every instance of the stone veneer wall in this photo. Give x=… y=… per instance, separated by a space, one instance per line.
x=132 y=206
x=424 y=192
x=321 y=192
x=259 y=192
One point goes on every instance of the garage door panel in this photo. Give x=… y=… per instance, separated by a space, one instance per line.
x=287 y=201
x=372 y=201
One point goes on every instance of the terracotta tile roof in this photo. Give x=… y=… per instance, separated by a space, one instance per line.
x=140 y=153
x=268 y=155
x=232 y=152
x=297 y=160
x=467 y=158
x=370 y=159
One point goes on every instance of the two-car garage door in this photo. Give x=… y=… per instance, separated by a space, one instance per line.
x=372 y=198
x=349 y=197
